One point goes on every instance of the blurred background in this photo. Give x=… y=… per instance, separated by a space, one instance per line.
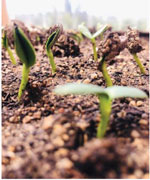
x=70 y=13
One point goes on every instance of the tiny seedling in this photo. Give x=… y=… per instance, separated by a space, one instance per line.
x=84 y=30
x=76 y=36
x=134 y=46
x=6 y=46
x=49 y=44
x=105 y=97
x=26 y=53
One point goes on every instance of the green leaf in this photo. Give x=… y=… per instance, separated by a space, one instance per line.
x=78 y=89
x=100 y=31
x=122 y=91
x=112 y=92
x=84 y=30
x=52 y=39
x=24 y=48
x=4 y=40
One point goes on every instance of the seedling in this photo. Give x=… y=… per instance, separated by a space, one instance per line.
x=84 y=30
x=105 y=97
x=134 y=46
x=110 y=47
x=77 y=36
x=49 y=44
x=6 y=46
x=26 y=53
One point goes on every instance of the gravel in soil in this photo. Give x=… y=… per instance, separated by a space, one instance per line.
x=58 y=133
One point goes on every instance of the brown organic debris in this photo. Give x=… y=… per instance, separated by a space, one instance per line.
x=112 y=45
x=133 y=43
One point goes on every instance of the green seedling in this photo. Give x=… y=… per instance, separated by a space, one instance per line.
x=105 y=97
x=77 y=36
x=6 y=46
x=26 y=53
x=49 y=44
x=84 y=30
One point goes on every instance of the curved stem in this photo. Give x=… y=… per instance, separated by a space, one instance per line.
x=105 y=109
x=94 y=49
x=11 y=56
x=105 y=73
x=51 y=60
x=139 y=63
x=24 y=80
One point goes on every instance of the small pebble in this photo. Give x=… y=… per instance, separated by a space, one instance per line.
x=86 y=81
x=27 y=119
x=64 y=163
x=144 y=116
x=135 y=134
x=48 y=122
x=132 y=103
x=143 y=122
x=37 y=115
x=58 y=142
x=93 y=76
x=139 y=103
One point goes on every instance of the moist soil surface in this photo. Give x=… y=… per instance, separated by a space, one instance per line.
x=49 y=136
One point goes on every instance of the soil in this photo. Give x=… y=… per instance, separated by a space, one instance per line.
x=49 y=136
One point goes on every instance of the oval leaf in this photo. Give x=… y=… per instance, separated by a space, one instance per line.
x=52 y=39
x=100 y=31
x=122 y=91
x=24 y=48
x=78 y=89
x=84 y=30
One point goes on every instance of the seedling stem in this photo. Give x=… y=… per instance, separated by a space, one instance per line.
x=105 y=72
x=94 y=49
x=24 y=80
x=139 y=63
x=51 y=60
x=105 y=109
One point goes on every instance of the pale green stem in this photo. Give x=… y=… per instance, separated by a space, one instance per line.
x=11 y=56
x=24 y=80
x=139 y=63
x=94 y=49
x=51 y=60
x=105 y=73
x=105 y=110
x=101 y=36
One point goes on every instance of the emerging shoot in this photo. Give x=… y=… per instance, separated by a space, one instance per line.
x=49 y=44
x=6 y=46
x=108 y=48
x=26 y=53
x=134 y=46
x=84 y=30
x=105 y=97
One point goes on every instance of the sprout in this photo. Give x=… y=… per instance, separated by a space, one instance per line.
x=26 y=53
x=76 y=36
x=84 y=30
x=108 y=48
x=105 y=97
x=134 y=46
x=6 y=46
x=49 y=44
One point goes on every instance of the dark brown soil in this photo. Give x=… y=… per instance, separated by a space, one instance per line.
x=49 y=136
